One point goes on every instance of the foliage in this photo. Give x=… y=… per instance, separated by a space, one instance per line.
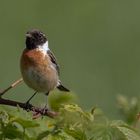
x=73 y=123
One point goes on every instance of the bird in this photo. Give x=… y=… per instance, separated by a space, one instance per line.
x=38 y=65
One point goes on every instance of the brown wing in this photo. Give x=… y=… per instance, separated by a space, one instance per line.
x=54 y=61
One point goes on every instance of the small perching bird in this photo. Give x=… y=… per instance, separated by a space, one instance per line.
x=39 y=68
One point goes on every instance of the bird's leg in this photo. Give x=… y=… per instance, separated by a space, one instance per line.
x=28 y=101
x=46 y=105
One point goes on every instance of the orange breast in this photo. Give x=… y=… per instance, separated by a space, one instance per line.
x=37 y=70
x=33 y=58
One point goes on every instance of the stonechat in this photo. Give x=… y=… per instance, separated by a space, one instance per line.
x=39 y=67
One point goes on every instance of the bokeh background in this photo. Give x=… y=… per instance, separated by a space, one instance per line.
x=96 y=42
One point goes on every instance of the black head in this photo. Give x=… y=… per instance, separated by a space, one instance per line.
x=34 y=38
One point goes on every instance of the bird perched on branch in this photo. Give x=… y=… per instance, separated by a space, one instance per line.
x=39 y=68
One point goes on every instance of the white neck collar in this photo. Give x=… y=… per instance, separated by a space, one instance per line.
x=44 y=47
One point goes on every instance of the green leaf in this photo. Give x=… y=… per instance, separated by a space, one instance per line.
x=43 y=135
x=56 y=100
x=74 y=108
x=26 y=123
x=76 y=133
x=60 y=135
x=4 y=117
x=128 y=133
x=11 y=132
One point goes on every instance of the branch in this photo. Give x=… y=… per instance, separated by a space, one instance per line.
x=36 y=110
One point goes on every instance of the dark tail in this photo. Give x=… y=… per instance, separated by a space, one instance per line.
x=62 y=88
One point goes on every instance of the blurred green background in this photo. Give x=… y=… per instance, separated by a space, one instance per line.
x=96 y=43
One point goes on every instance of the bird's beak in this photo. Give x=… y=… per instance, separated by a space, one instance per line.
x=28 y=35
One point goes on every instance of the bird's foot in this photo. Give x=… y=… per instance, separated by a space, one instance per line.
x=44 y=110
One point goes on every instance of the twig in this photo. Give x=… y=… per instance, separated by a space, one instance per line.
x=11 y=86
x=37 y=111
